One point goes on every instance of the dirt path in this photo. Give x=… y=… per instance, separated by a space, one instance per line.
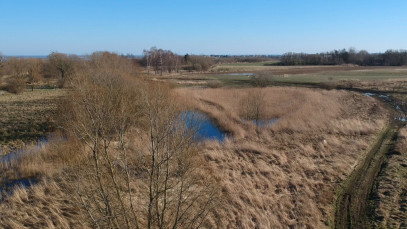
x=351 y=205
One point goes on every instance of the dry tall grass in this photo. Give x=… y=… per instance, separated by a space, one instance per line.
x=285 y=175
x=49 y=204
x=273 y=177
x=391 y=201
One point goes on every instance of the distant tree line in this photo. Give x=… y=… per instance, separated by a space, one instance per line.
x=244 y=58
x=351 y=56
x=18 y=73
x=161 y=61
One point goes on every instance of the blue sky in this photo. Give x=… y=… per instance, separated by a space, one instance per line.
x=34 y=27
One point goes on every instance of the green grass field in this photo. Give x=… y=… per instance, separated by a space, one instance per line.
x=244 y=64
x=307 y=74
x=363 y=75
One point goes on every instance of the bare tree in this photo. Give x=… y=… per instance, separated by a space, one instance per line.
x=147 y=56
x=16 y=67
x=62 y=65
x=143 y=170
x=200 y=63
x=17 y=70
x=181 y=191
x=112 y=62
x=99 y=113
x=161 y=60
x=252 y=106
x=35 y=68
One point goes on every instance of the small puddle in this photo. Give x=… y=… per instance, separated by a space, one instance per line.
x=205 y=127
x=387 y=98
x=6 y=159
x=14 y=155
x=402 y=119
x=239 y=74
x=369 y=94
x=382 y=96
x=264 y=123
x=10 y=186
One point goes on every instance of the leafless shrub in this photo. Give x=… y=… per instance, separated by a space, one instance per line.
x=62 y=66
x=142 y=169
x=214 y=84
x=252 y=105
x=261 y=80
x=15 y=85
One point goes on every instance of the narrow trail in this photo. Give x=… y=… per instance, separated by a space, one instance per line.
x=352 y=209
x=352 y=205
x=352 y=201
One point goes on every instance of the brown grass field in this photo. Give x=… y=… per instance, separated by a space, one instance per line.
x=286 y=175
x=282 y=176
x=391 y=188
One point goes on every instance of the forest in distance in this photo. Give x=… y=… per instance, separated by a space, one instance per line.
x=161 y=60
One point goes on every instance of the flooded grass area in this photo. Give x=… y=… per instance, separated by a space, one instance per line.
x=400 y=114
x=9 y=160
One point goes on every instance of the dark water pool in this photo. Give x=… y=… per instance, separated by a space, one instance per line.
x=10 y=186
x=205 y=128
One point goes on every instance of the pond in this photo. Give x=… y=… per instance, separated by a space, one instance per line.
x=205 y=128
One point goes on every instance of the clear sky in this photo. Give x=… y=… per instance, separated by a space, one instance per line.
x=38 y=27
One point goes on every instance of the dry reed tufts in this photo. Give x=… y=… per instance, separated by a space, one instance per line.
x=285 y=175
x=391 y=188
x=275 y=177
x=45 y=205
